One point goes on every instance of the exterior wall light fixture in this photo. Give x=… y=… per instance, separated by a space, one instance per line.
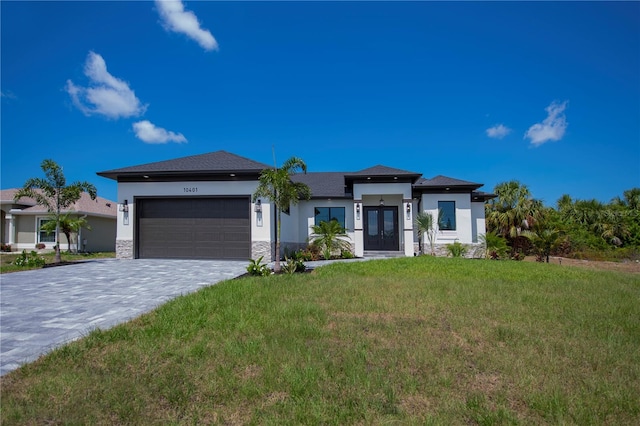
x=381 y=201
x=408 y=210
x=124 y=207
x=358 y=211
x=258 y=207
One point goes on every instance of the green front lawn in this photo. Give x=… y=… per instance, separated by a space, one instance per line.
x=405 y=341
x=7 y=259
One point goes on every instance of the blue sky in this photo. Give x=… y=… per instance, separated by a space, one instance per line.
x=547 y=93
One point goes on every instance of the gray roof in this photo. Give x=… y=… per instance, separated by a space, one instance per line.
x=323 y=184
x=481 y=195
x=213 y=162
x=445 y=181
x=381 y=170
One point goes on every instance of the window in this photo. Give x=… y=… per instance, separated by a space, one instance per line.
x=327 y=214
x=447 y=215
x=43 y=236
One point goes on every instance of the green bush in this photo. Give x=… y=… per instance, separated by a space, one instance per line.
x=292 y=266
x=257 y=268
x=456 y=249
x=31 y=260
x=346 y=254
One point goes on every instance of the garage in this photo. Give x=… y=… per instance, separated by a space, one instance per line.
x=193 y=228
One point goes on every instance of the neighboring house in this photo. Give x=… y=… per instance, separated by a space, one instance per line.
x=21 y=221
x=200 y=207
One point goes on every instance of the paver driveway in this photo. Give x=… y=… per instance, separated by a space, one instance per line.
x=45 y=308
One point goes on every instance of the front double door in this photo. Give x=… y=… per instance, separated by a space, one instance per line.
x=381 y=228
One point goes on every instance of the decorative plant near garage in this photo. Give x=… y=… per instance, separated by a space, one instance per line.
x=276 y=185
x=54 y=194
x=257 y=268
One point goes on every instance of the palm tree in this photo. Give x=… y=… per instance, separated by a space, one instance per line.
x=54 y=194
x=495 y=246
x=276 y=185
x=512 y=211
x=425 y=223
x=68 y=225
x=329 y=236
x=631 y=199
x=544 y=241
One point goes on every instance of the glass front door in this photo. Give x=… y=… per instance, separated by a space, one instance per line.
x=381 y=228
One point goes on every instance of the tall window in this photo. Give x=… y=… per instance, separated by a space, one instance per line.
x=327 y=214
x=447 y=215
x=43 y=237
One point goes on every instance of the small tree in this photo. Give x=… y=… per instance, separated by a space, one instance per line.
x=330 y=236
x=276 y=185
x=495 y=246
x=54 y=194
x=68 y=225
x=544 y=241
x=427 y=225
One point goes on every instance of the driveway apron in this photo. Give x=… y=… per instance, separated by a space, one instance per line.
x=46 y=308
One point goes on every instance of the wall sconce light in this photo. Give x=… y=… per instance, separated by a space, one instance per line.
x=408 y=210
x=258 y=207
x=381 y=201
x=124 y=207
x=358 y=208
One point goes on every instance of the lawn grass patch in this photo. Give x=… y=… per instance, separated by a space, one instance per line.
x=7 y=259
x=414 y=341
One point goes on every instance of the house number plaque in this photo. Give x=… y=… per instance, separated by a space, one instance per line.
x=191 y=189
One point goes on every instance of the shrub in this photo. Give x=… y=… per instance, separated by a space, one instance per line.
x=31 y=260
x=40 y=246
x=5 y=247
x=495 y=247
x=456 y=249
x=346 y=254
x=257 y=268
x=292 y=266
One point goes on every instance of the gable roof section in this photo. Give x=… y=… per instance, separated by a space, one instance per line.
x=323 y=184
x=383 y=171
x=85 y=205
x=441 y=181
x=218 y=162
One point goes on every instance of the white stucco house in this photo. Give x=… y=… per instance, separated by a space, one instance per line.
x=200 y=207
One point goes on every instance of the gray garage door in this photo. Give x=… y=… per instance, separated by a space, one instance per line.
x=193 y=228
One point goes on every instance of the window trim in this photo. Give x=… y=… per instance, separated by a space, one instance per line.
x=455 y=219
x=39 y=232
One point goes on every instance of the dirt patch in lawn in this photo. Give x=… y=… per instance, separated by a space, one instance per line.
x=624 y=266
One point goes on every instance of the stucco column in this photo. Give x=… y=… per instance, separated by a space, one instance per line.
x=12 y=228
x=407 y=213
x=358 y=242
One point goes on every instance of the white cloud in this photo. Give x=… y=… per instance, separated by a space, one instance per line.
x=176 y=19
x=8 y=95
x=106 y=95
x=149 y=133
x=498 y=131
x=552 y=128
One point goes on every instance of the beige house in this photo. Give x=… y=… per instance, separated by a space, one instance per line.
x=20 y=224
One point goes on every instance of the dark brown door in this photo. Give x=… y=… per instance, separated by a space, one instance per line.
x=193 y=228
x=381 y=228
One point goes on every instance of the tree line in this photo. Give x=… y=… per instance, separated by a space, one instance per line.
x=519 y=224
